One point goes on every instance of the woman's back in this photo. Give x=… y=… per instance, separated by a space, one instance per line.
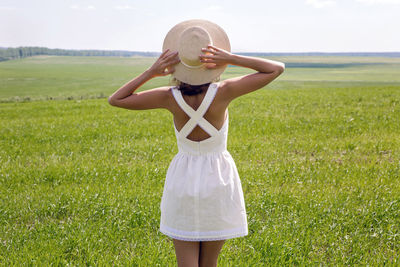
x=216 y=113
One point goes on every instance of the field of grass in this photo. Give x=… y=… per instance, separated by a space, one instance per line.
x=63 y=77
x=318 y=153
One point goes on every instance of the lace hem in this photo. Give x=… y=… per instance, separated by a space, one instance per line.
x=205 y=236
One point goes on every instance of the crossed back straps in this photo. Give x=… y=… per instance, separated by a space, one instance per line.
x=196 y=116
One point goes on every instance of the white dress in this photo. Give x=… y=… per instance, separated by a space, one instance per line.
x=202 y=198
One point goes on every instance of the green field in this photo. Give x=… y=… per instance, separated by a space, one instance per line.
x=318 y=153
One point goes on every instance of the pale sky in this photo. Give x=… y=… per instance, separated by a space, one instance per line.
x=252 y=25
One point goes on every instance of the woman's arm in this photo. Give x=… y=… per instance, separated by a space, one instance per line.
x=125 y=97
x=267 y=71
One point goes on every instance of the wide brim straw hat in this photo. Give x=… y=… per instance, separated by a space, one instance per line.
x=188 y=38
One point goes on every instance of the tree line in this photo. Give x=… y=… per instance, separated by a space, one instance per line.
x=28 y=51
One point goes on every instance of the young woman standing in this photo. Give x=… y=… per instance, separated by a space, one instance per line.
x=202 y=203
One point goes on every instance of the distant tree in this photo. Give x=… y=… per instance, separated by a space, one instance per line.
x=21 y=52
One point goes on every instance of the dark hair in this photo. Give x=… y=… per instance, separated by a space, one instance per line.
x=188 y=89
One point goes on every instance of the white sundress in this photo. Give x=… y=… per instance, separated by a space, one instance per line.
x=202 y=198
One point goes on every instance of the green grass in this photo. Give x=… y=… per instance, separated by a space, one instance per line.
x=63 y=77
x=81 y=181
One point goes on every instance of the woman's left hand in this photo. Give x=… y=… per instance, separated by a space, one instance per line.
x=165 y=64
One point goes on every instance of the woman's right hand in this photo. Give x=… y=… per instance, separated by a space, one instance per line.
x=164 y=64
x=215 y=57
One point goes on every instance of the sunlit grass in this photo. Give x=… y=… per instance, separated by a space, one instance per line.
x=65 y=77
x=81 y=181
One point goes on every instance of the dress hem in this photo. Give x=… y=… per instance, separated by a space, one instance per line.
x=238 y=232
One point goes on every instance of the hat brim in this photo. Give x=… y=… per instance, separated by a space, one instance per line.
x=202 y=75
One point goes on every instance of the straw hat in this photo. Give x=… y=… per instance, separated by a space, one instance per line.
x=188 y=37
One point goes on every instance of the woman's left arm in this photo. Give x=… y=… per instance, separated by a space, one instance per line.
x=125 y=97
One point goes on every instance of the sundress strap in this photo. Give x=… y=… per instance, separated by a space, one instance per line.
x=196 y=116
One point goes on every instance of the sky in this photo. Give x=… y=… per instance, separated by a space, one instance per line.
x=252 y=25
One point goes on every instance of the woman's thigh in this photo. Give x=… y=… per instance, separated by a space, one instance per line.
x=209 y=251
x=187 y=253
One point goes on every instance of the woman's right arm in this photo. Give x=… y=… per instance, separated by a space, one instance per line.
x=267 y=71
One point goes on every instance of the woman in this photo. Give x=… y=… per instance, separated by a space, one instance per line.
x=202 y=203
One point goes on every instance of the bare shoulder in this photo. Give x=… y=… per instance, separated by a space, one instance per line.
x=164 y=95
x=167 y=97
x=223 y=94
x=221 y=97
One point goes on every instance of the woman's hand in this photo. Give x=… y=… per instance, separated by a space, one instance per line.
x=215 y=57
x=164 y=64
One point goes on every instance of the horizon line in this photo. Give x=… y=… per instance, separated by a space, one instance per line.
x=238 y=52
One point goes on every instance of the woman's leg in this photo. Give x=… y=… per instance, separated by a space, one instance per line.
x=209 y=251
x=187 y=253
